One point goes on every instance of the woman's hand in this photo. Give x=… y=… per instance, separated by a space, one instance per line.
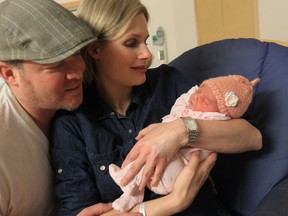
x=95 y=210
x=101 y=209
x=186 y=187
x=156 y=146
x=191 y=179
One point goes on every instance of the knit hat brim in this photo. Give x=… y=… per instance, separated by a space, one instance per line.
x=233 y=94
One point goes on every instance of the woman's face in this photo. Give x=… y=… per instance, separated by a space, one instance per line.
x=123 y=62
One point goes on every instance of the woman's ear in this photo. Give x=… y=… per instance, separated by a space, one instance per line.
x=8 y=74
x=94 y=50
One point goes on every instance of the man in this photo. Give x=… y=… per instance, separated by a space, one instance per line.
x=41 y=65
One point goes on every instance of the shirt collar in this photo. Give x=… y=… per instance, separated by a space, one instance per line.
x=96 y=108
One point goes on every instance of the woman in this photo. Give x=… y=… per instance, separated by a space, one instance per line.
x=121 y=99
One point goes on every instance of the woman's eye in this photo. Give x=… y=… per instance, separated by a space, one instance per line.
x=131 y=43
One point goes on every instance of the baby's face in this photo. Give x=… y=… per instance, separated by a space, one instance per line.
x=203 y=100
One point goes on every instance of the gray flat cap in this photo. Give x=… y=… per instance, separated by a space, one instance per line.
x=41 y=31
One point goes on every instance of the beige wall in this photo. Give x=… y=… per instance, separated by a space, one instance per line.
x=273 y=19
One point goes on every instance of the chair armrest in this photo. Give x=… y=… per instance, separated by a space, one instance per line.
x=275 y=203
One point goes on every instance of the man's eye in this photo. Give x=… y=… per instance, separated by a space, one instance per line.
x=53 y=65
x=77 y=53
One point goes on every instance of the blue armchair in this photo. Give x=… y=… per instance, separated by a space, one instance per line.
x=252 y=183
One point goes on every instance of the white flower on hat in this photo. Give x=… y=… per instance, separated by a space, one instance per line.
x=231 y=99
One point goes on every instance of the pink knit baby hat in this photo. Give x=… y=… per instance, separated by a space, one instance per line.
x=233 y=93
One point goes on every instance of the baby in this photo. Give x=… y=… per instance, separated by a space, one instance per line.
x=220 y=98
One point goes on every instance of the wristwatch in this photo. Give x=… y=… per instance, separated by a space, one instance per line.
x=191 y=127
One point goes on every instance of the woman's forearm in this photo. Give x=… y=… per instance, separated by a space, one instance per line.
x=232 y=136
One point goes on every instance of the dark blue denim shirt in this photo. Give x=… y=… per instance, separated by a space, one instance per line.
x=86 y=141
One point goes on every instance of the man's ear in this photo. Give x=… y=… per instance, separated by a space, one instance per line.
x=8 y=74
x=94 y=50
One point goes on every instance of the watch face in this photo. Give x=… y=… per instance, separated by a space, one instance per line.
x=191 y=124
x=192 y=129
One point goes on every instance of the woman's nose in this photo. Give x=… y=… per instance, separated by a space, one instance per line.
x=145 y=53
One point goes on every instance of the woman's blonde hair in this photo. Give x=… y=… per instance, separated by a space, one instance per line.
x=108 y=19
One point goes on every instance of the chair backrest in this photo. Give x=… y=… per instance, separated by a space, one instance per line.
x=283 y=43
x=243 y=180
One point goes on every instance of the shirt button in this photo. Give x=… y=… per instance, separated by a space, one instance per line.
x=60 y=171
x=130 y=131
x=102 y=168
x=112 y=113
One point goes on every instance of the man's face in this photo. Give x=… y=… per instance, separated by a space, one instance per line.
x=50 y=86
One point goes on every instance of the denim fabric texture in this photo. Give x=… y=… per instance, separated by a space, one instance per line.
x=86 y=141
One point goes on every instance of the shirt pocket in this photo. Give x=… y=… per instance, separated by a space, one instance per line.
x=109 y=190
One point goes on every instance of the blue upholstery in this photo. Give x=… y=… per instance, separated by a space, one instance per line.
x=275 y=203
x=243 y=180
